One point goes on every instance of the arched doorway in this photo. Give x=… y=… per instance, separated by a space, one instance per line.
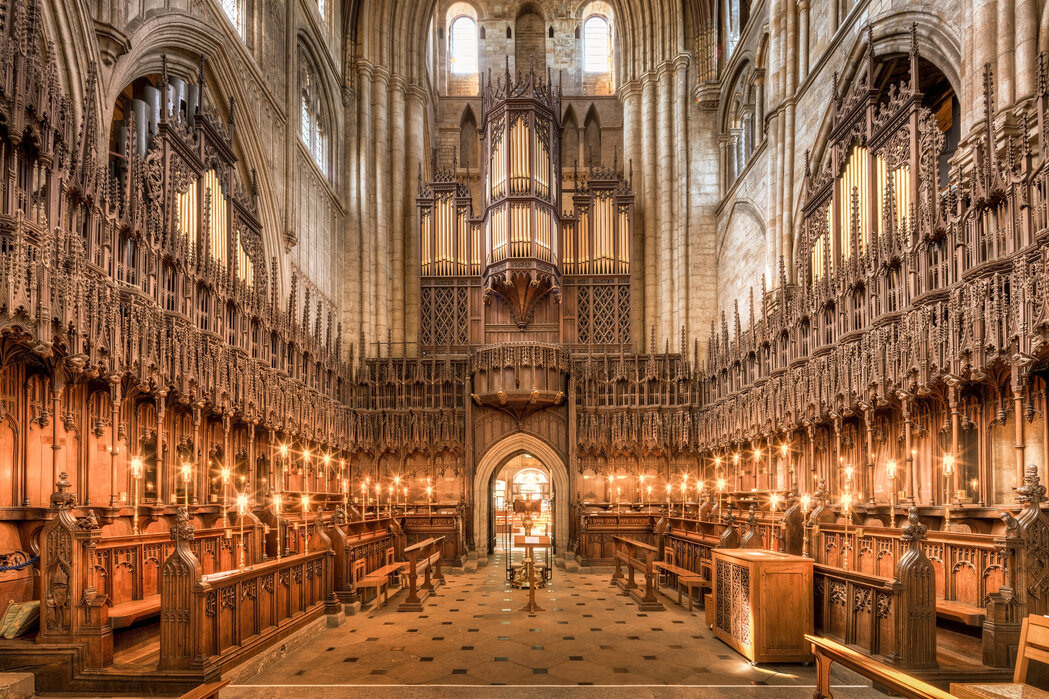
x=493 y=460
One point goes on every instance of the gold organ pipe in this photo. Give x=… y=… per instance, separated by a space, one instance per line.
x=584 y=242
x=426 y=242
x=461 y=254
x=475 y=251
x=624 y=241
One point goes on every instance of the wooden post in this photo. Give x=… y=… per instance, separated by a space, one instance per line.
x=916 y=617
x=181 y=572
x=71 y=609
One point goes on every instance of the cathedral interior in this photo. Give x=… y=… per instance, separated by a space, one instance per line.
x=471 y=348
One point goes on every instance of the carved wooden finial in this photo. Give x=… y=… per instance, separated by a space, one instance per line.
x=182 y=531
x=63 y=499
x=1032 y=493
x=914 y=531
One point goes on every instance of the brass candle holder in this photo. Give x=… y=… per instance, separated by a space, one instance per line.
x=136 y=479
x=890 y=473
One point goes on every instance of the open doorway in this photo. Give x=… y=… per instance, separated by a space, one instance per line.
x=523 y=484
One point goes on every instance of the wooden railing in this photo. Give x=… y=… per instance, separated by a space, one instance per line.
x=212 y=621
x=127 y=568
x=828 y=651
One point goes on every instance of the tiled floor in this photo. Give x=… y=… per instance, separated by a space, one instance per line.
x=473 y=634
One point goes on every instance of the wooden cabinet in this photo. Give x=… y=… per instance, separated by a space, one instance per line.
x=763 y=604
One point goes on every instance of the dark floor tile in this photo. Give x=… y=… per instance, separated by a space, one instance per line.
x=575 y=657
x=350 y=660
x=620 y=670
x=539 y=671
x=459 y=671
x=378 y=672
x=426 y=660
x=466 y=648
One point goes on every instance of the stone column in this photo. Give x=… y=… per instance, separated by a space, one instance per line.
x=1025 y=20
x=665 y=171
x=367 y=205
x=381 y=177
x=630 y=96
x=648 y=212
x=397 y=166
x=416 y=107
x=681 y=217
x=1004 y=79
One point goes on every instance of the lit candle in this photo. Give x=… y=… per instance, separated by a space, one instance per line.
x=136 y=476
x=242 y=508
x=187 y=474
x=890 y=473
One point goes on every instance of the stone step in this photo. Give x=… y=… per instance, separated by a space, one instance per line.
x=572 y=566
x=16 y=685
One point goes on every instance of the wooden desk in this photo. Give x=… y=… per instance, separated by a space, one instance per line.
x=763 y=604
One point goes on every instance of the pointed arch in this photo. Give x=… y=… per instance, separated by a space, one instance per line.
x=569 y=141
x=592 y=138
x=469 y=139
x=490 y=463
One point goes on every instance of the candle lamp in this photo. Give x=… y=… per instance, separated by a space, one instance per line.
x=378 y=499
x=773 y=501
x=846 y=509
x=684 y=491
x=389 y=500
x=890 y=473
x=242 y=509
x=225 y=474
x=429 y=498
x=136 y=478
x=974 y=485
x=948 y=472
x=641 y=489
x=187 y=475
x=721 y=489
x=345 y=492
x=668 y=497
x=278 y=505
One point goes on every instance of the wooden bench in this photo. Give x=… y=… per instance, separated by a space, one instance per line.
x=637 y=556
x=968 y=614
x=684 y=578
x=423 y=556
x=896 y=681
x=127 y=613
x=379 y=580
x=1034 y=645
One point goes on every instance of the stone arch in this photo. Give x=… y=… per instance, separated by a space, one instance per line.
x=490 y=463
x=592 y=138
x=469 y=140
